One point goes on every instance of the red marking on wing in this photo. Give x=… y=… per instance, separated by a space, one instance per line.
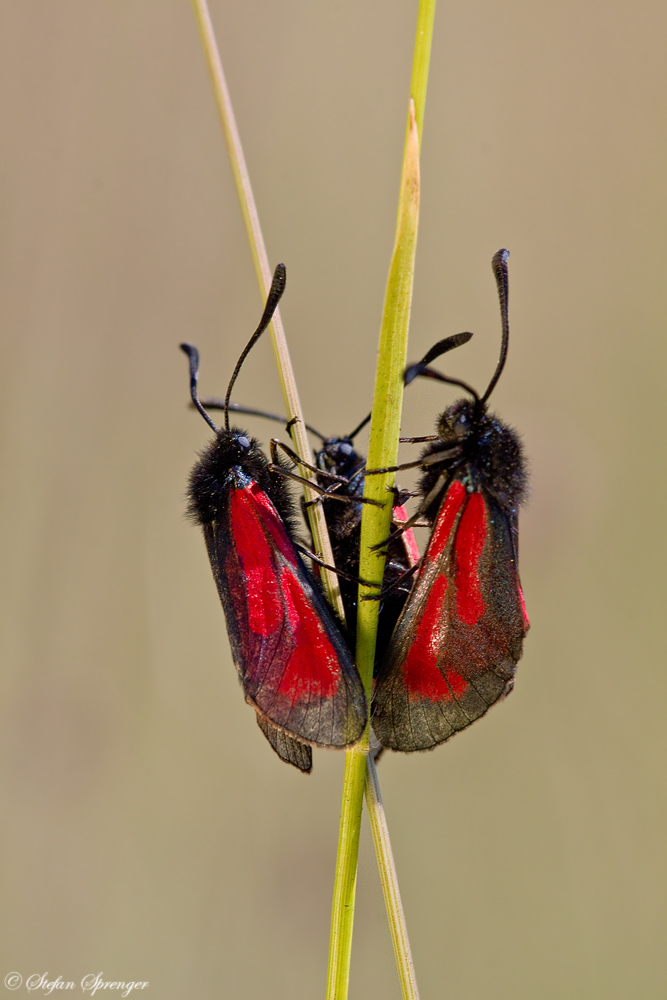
x=420 y=669
x=422 y=677
x=456 y=683
x=312 y=669
x=250 y=509
x=270 y=520
x=445 y=520
x=469 y=544
x=526 y=619
x=409 y=540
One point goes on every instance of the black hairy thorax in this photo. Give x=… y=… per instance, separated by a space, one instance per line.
x=232 y=459
x=339 y=456
x=488 y=456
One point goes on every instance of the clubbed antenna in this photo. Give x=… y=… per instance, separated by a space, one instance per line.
x=499 y=265
x=193 y=355
x=212 y=403
x=442 y=347
x=275 y=294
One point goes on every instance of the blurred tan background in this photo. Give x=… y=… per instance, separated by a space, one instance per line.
x=149 y=831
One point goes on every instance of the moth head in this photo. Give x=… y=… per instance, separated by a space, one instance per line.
x=338 y=453
x=458 y=420
x=233 y=447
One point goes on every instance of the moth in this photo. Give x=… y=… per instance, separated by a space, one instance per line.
x=455 y=646
x=292 y=661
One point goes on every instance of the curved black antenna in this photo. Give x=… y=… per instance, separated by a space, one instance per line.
x=499 y=265
x=193 y=355
x=275 y=294
x=352 y=436
x=273 y=416
x=448 y=344
x=212 y=403
x=442 y=347
x=421 y=371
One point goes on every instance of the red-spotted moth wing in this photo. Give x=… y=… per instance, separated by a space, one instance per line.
x=294 y=667
x=456 y=645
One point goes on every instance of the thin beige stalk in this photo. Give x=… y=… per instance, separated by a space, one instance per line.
x=264 y=273
x=390 y=890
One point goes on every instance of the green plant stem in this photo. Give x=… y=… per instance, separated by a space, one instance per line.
x=384 y=438
x=345 y=881
x=387 y=400
x=264 y=274
x=375 y=524
x=420 y=63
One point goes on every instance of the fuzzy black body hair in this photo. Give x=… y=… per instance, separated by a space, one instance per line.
x=218 y=468
x=338 y=455
x=491 y=457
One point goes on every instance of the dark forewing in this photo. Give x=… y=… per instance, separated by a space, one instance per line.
x=292 y=662
x=287 y=748
x=456 y=645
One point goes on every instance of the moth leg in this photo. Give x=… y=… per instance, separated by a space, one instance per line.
x=325 y=494
x=274 y=467
x=393 y=586
x=338 y=572
x=423 y=506
x=400 y=496
x=441 y=456
x=432 y=459
x=275 y=444
x=394 y=468
x=329 y=492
